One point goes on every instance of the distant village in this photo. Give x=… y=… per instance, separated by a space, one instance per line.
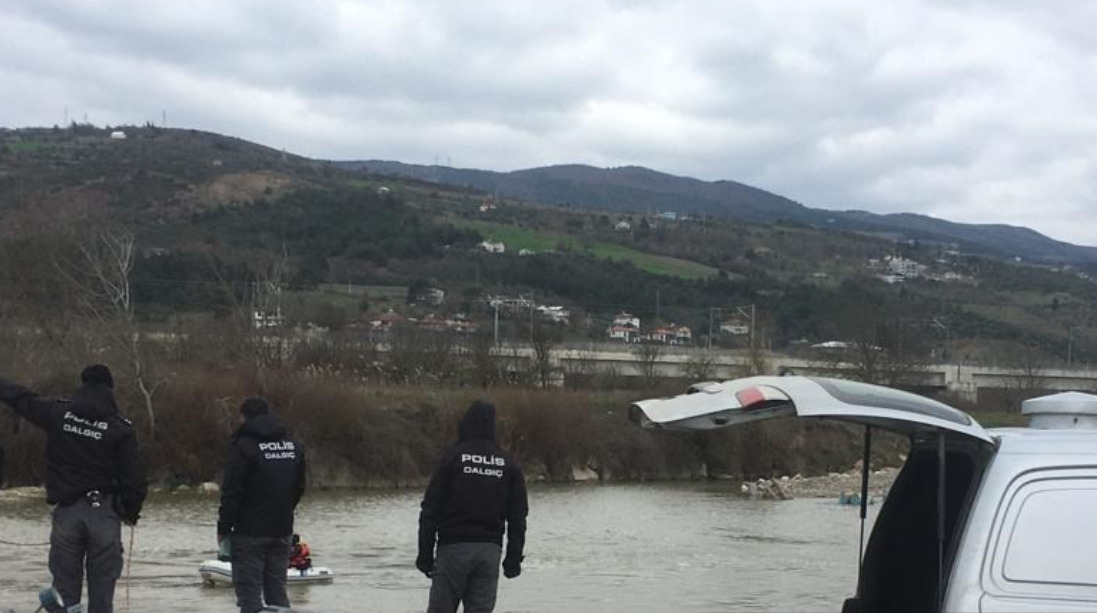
x=426 y=310
x=897 y=269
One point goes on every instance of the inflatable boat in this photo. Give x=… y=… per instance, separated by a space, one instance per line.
x=215 y=572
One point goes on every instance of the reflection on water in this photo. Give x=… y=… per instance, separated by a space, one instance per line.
x=674 y=548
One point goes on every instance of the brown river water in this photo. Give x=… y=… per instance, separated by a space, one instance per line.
x=607 y=549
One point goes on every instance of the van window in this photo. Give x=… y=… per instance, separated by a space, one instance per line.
x=865 y=395
x=1053 y=538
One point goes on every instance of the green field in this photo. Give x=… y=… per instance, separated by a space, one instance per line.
x=351 y=296
x=306 y=298
x=516 y=239
x=26 y=147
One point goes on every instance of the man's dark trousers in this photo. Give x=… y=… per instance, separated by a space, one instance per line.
x=465 y=573
x=259 y=565
x=86 y=535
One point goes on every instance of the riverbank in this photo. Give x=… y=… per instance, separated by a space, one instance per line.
x=373 y=436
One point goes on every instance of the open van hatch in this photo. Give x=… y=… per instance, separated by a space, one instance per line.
x=906 y=563
x=713 y=405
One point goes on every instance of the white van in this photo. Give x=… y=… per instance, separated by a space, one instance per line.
x=977 y=520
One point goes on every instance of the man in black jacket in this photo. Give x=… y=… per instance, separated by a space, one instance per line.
x=264 y=481
x=94 y=476
x=475 y=492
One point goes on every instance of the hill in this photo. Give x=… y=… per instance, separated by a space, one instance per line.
x=641 y=190
x=215 y=217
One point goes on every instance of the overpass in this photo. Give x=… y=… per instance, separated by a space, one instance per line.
x=963 y=380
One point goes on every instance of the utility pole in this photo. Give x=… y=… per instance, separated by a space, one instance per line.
x=938 y=322
x=752 y=335
x=496 y=323
x=657 y=304
x=743 y=312
x=710 y=309
x=902 y=336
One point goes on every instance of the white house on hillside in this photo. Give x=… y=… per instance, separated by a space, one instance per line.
x=554 y=314
x=625 y=327
x=623 y=333
x=493 y=247
x=905 y=267
x=627 y=320
x=735 y=327
x=267 y=319
x=671 y=335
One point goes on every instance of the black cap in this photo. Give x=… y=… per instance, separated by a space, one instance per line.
x=97 y=374
x=254 y=407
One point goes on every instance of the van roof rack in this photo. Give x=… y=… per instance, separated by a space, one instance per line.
x=1066 y=411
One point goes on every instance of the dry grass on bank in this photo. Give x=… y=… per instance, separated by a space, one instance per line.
x=369 y=435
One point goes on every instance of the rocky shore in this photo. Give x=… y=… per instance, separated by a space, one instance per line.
x=831 y=485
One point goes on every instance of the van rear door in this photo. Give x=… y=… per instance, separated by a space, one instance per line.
x=712 y=405
x=907 y=561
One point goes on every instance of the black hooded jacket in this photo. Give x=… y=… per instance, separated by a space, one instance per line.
x=477 y=490
x=264 y=480
x=88 y=446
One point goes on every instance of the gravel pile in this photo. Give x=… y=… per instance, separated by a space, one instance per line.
x=824 y=486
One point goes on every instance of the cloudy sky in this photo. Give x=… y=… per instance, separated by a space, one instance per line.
x=979 y=111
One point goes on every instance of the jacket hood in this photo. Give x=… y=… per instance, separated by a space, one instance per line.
x=263 y=427
x=94 y=401
x=478 y=424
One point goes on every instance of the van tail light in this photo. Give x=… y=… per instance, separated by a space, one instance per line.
x=753 y=398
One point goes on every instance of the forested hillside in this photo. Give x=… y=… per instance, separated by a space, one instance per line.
x=214 y=218
x=634 y=189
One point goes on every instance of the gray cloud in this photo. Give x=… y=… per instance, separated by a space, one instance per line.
x=977 y=111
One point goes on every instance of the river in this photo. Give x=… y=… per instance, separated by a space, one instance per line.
x=618 y=548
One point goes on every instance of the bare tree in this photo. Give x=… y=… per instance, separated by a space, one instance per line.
x=700 y=367
x=481 y=361
x=647 y=356
x=543 y=341
x=401 y=356
x=609 y=377
x=438 y=359
x=1028 y=379
x=420 y=356
x=577 y=368
x=757 y=362
x=880 y=347
x=101 y=276
x=267 y=319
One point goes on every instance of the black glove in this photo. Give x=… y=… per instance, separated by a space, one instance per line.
x=125 y=511
x=425 y=564
x=512 y=566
